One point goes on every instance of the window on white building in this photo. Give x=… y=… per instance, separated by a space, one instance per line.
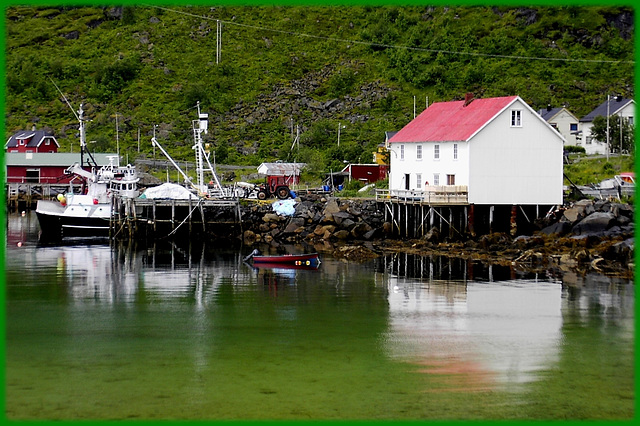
x=516 y=118
x=451 y=179
x=436 y=179
x=418 y=152
x=436 y=152
x=455 y=151
x=402 y=152
x=419 y=180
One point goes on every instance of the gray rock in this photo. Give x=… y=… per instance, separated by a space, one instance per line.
x=597 y=222
x=293 y=225
x=342 y=216
x=559 y=228
x=347 y=224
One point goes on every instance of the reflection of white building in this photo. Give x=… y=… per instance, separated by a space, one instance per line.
x=491 y=332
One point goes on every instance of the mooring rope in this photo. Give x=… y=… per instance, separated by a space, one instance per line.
x=186 y=218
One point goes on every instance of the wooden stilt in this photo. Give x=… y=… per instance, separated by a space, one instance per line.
x=471 y=221
x=491 y=219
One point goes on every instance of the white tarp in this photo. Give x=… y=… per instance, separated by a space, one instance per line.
x=170 y=191
x=284 y=207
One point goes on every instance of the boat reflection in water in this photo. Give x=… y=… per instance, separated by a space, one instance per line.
x=479 y=326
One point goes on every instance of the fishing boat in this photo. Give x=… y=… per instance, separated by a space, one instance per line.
x=294 y=260
x=86 y=209
x=87 y=213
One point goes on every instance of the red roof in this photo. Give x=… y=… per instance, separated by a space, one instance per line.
x=452 y=121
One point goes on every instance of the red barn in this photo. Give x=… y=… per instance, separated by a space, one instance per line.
x=32 y=141
x=368 y=173
x=46 y=167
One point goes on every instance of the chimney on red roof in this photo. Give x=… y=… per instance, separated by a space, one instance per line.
x=468 y=98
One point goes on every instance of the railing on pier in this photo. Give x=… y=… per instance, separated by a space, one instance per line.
x=28 y=193
x=432 y=195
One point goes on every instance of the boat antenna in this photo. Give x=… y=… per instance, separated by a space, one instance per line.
x=80 y=119
x=65 y=99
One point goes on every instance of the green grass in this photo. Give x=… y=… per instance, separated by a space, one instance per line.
x=585 y=170
x=152 y=65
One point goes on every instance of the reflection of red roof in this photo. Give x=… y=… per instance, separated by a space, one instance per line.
x=452 y=121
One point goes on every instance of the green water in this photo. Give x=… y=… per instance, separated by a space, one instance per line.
x=95 y=332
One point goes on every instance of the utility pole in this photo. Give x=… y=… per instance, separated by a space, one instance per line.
x=117 y=137
x=608 y=103
x=218 y=41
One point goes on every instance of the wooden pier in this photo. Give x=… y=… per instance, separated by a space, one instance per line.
x=164 y=218
x=446 y=209
x=25 y=195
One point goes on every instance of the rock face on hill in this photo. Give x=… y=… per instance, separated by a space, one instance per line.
x=597 y=235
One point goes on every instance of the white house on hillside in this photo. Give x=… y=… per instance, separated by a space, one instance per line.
x=564 y=122
x=615 y=105
x=499 y=148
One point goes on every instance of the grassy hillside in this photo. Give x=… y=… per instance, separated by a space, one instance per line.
x=311 y=67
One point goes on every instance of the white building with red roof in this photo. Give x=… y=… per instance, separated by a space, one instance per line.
x=499 y=149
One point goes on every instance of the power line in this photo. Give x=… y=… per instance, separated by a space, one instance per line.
x=392 y=46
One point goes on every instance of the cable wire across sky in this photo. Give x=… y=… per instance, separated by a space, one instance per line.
x=391 y=46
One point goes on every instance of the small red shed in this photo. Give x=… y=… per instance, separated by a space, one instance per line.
x=367 y=172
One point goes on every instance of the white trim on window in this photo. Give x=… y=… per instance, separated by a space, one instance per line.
x=401 y=152
x=455 y=151
x=418 y=152
x=436 y=152
x=436 y=179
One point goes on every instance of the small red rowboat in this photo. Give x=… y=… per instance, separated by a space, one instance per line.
x=309 y=259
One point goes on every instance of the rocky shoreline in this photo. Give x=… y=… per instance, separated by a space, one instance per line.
x=588 y=236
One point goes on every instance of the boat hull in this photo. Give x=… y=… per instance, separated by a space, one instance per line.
x=306 y=260
x=287 y=266
x=57 y=221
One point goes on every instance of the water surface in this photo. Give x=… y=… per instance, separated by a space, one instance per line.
x=192 y=332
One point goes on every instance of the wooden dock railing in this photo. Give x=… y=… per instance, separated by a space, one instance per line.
x=432 y=194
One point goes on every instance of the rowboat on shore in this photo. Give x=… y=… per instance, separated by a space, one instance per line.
x=302 y=260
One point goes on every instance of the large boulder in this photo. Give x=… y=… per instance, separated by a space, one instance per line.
x=294 y=224
x=622 y=251
x=578 y=211
x=341 y=216
x=331 y=207
x=558 y=228
x=595 y=223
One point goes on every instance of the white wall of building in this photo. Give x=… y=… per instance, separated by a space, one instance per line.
x=424 y=170
x=562 y=122
x=516 y=165
x=593 y=146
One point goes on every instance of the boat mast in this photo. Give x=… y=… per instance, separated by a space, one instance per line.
x=201 y=125
x=83 y=140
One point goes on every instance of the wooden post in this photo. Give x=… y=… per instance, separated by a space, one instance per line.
x=491 y=219
x=204 y=224
x=406 y=219
x=513 y=222
x=173 y=214
x=471 y=219
x=450 y=222
x=189 y=217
